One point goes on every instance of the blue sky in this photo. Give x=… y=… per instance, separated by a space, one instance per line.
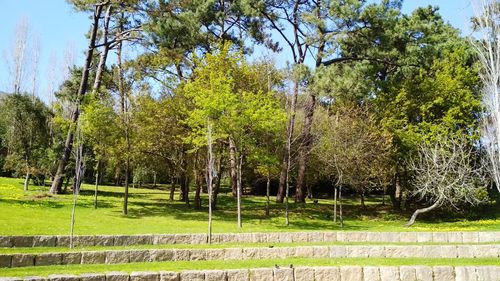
x=60 y=28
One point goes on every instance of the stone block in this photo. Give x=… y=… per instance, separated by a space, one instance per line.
x=389 y=273
x=5 y=260
x=321 y=252
x=465 y=251
x=423 y=273
x=63 y=277
x=199 y=239
x=373 y=237
x=448 y=251
x=376 y=251
x=182 y=239
x=261 y=274
x=356 y=236
x=84 y=241
x=488 y=236
x=192 y=275
x=315 y=237
x=93 y=257
x=144 y=276
x=250 y=253
x=299 y=237
x=117 y=276
x=444 y=273
x=465 y=273
x=169 y=276
x=408 y=237
x=215 y=275
x=285 y=237
x=237 y=275
x=337 y=251
x=440 y=237
x=371 y=273
x=424 y=237
x=22 y=241
x=162 y=239
x=104 y=240
x=304 y=251
x=330 y=236
x=283 y=274
x=304 y=274
x=393 y=251
x=245 y=237
x=455 y=237
x=232 y=253
x=92 y=277
x=357 y=251
x=215 y=254
x=162 y=254
x=44 y=241
x=5 y=242
x=273 y=238
x=139 y=256
x=71 y=258
x=122 y=240
x=62 y=241
x=342 y=236
x=48 y=259
x=117 y=257
x=198 y=255
x=486 y=251
x=351 y=273
x=407 y=273
x=488 y=273
x=21 y=260
x=431 y=251
x=181 y=255
x=10 y=279
x=470 y=237
x=289 y=252
x=258 y=237
x=268 y=253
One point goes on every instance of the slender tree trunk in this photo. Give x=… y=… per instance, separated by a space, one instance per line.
x=421 y=211
x=172 y=188
x=104 y=53
x=63 y=161
x=362 y=199
x=341 y=218
x=198 y=178
x=397 y=191
x=97 y=170
x=268 y=189
x=26 y=180
x=304 y=149
x=216 y=185
x=72 y=228
x=233 y=165
x=239 y=189
x=210 y=172
x=154 y=179
x=335 y=205
x=280 y=195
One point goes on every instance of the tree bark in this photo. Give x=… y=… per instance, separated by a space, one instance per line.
x=104 y=53
x=233 y=165
x=172 y=188
x=96 y=183
x=268 y=188
x=216 y=185
x=421 y=211
x=239 y=189
x=68 y=145
x=335 y=204
x=280 y=196
x=26 y=180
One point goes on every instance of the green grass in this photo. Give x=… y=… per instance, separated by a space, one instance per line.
x=231 y=264
x=37 y=250
x=36 y=212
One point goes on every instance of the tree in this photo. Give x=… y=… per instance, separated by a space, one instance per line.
x=225 y=91
x=445 y=175
x=26 y=134
x=488 y=50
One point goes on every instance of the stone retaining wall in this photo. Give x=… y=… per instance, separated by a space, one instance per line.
x=158 y=255
x=343 y=273
x=340 y=236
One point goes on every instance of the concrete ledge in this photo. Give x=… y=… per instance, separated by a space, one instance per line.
x=283 y=237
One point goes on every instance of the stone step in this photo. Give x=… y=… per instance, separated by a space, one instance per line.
x=277 y=237
x=342 y=273
x=159 y=255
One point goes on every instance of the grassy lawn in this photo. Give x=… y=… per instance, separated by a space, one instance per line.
x=150 y=211
x=231 y=264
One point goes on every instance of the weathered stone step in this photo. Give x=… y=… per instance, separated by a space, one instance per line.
x=283 y=237
x=343 y=273
x=159 y=255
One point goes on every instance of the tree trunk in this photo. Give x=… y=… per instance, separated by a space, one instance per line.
x=362 y=198
x=396 y=192
x=68 y=145
x=280 y=196
x=335 y=205
x=104 y=53
x=198 y=178
x=96 y=184
x=172 y=188
x=421 y=211
x=341 y=218
x=304 y=149
x=268 y=188
x=26 y=180
x=216 y=185
x=233 y=165
x=239 y=189
x=210 y=172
